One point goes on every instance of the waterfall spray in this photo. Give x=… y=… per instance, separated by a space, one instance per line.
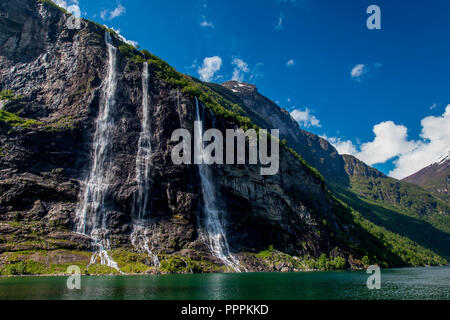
x=139 y=237
x=92 y=214
x=213 y=224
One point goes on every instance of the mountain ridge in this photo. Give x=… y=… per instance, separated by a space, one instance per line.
x=315 y=150
x=434 y=178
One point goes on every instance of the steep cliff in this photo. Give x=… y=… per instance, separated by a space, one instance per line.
x=70 y=134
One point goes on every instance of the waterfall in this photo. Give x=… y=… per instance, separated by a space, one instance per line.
x=213 y=214
x=139 y=238
x=179 y=111
x=143 y=157
x=92 y=214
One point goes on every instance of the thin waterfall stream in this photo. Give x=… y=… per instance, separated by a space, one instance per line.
x=92 y=214
x=139 y=237
x=214 y=234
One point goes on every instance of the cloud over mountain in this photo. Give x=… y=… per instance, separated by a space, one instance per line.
x=209 y=68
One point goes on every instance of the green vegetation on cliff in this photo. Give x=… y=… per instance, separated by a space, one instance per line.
x=54 y=5
x=416 y=222
x=9 y=95
x=394 y=247
x=14 y=120
x=33 y=262
x=403 y=197
x=410 y=253
x=283 y=262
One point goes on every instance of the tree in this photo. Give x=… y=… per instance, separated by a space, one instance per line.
x=365 y=260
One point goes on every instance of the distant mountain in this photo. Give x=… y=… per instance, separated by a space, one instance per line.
x=400 y=207
x=435 y=178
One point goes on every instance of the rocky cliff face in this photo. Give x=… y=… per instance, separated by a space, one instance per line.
x=357 y=168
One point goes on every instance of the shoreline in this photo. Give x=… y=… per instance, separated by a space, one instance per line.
x=163 y=274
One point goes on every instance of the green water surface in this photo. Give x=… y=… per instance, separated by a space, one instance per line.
x=405 y=283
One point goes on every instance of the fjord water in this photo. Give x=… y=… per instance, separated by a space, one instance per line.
x=396 y=284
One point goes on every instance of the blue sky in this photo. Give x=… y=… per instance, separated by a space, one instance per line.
x=301 y=53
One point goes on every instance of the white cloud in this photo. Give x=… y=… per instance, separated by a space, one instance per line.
x=290 y=63
x=435 y=142
x=120 y=10
x=205 y=23
x=358 y=71
x=72 y=6
x=342 y=146
x=241 y=67
x=103 y=14
x=111 y=14
x=433 y=106
x=305 y=118
x=210 y=66
x=279 y=25
x=391 y=142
